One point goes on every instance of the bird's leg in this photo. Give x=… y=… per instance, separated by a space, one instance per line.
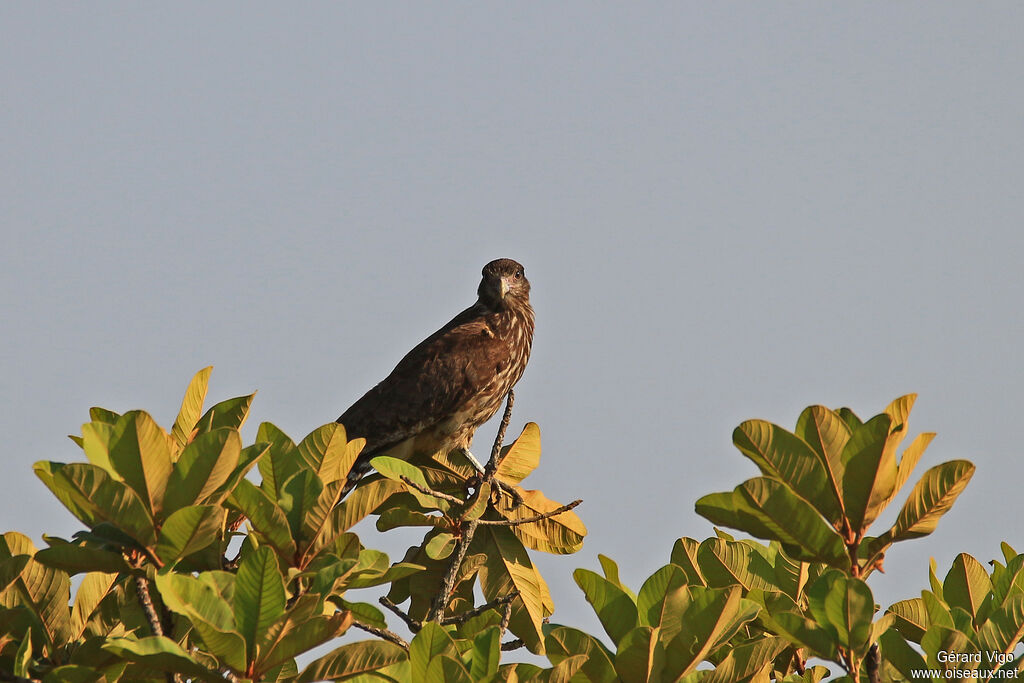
x=499 y=486
x=472 y=459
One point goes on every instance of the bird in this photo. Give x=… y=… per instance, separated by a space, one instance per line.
x=453 y=381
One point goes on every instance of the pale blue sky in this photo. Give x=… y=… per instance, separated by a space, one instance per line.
x=727 y=210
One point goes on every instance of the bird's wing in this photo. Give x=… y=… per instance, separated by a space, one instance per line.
x=429 y=384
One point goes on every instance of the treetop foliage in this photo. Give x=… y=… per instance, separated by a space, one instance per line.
x=205 y=559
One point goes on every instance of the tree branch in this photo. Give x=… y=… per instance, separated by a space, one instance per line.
x=440 y=602
x=528 y=520
x=469 y=614
x=413 y=625
x=512 y=645
x=432 y=492
x=383 y=633
x=146 y=602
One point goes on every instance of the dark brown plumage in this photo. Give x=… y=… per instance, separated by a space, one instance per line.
x=455 y=379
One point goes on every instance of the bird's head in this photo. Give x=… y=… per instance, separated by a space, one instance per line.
x=504 y=284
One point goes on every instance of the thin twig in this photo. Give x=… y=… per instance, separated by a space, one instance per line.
x=466 y=616
x=413 y=625
x=506 y=616
x=440 y=602
x=432 y=492
x=512 y=645
x=383 y=633
x=535 y=518
x=495 y=460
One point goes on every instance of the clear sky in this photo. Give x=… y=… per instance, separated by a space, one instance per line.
x=727 y=210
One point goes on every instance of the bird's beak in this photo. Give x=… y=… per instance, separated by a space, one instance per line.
x=504 y=287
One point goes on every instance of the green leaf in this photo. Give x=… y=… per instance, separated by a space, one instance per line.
x=23 y=657
x=942 y=639
x=509 y=567
x=75 y=559
x=203 y=467
x=160 y=653
x=93 y=496
x=966 y=585
x=901 y=655
x=431 y=642
x=522 y=456
x=203 y=602
x=793 y=521
x=1004 y=628
x=265 y=516
x=747 y=659
x=684 y=554
x=795 y=627
x=440 y=546
x=97 y=414
x=870 y=471
x=845 y=606
x=259 y=596
x=911 y=456
x=96 y=444
x=826 y=433
x=392 y=518
x=565 y=670
x=932 y=496
x=445 y=669
x=360 y=503
x=281 y=461
x=394 y=469
x=485 y=653
x=911 y=618
x=614 y=607
x=189 y=530
x=562 y=642
x=650 y=601
x=140 y=453
x=641 y=656
x=784 y=456
x=561 y=534
x=731 y=563
x=230 y=413
x=43 y=591
x=191 y=407
x=299 y=635
x=327 y=452
x=297 y=496
x=711 y=618
x=94 y=589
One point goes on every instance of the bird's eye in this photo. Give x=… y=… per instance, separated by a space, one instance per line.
x=519 y=275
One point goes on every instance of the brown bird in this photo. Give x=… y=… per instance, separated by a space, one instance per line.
x=454 y=380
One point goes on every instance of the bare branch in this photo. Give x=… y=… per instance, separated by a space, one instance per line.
x=871 y=663
x=146 y=602
x=512 y=645
x=432 y=492
x=440 y=602
x=505 y=618
x=495 y=460
x=413 y=625
x=466 y=616
x=383 y=633
x=528 y=520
